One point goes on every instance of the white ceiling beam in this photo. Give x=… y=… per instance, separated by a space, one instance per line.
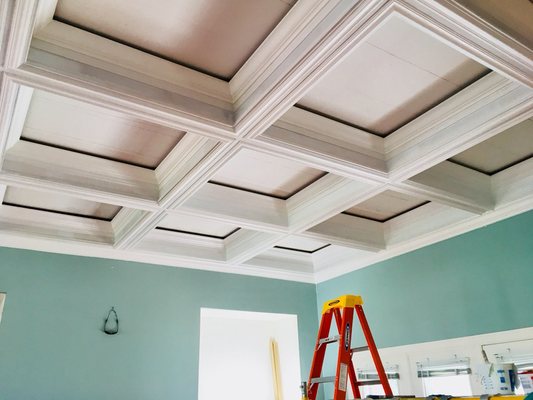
x=477 y=113
x=131 y=225
x=349 y=231
x=246 y=209
x=186 y=247
x=30 y=223
x=98 y=86
x=514 y=184
x=453 y=185
x=46 y=168
x=79 y=45
x=186 y=156
x=284 y=260
x=325 y=198
x=422 y=221
x=246 y=244
x=325 y=144
x=17 y=19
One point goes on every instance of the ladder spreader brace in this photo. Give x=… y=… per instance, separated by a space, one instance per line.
x=342 y=309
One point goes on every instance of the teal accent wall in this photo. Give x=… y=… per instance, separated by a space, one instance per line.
x=51 y=346
x=475 y=283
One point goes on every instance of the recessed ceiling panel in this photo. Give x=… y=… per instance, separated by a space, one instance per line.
x=392 y=77
x=59 y=203
x=266 y=174
x=501 y=151
x=301 y=244
x=210 y=35
x=197 y=225
x=66 y=123
x=384 y=206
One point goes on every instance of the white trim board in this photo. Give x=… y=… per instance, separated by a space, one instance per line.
x=255 y=111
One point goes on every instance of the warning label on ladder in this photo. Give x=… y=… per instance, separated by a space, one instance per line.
x=343 y=377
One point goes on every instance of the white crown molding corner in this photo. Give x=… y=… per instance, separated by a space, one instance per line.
x=446 y=232
x=452 y=185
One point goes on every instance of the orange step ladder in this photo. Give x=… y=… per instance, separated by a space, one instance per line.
x=342 y=308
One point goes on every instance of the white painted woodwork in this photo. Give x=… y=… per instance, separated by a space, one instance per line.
x=57 y=202
x=451 y=184
x=72 y=124
x=130 y=224
x=332 y=259
x=189 y=223
x=82 y=46
x=350 y=231
x=84 y=172
x=188 y=247
x=398 y=72
x=162 y=104
x=385 y=205
x=514 y=185
x=240 y=207
x=512 y=145
x=23 y=221
x=284 y=260
x=422 y=221
x=301 y=243
x=285 y=148
x=485 y=108
x=264 y=173
x=196 y=33
x=246 y=244
x=328 y=196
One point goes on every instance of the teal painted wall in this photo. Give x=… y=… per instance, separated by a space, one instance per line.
x=51 y=346
x=476 y=283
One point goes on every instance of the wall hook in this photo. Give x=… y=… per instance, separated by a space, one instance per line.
x=111 y=325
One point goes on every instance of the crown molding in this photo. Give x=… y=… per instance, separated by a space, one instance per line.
x=90 y=49
x=473 y=115
x=431 y=237
x=34 y=223
x=349 y=231
x=246 y=244
x=452 y=185
x=76 y=170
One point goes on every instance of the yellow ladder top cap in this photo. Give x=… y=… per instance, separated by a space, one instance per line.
x=348 y=300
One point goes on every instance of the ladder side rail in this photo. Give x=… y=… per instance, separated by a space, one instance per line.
x=318 y=355
x=373 y=351
x=344 y=359
x=351 y=369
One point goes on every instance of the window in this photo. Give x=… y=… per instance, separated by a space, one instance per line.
x=372 y=375
x=445 y=377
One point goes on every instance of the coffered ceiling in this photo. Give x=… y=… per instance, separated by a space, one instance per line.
x=290 y=139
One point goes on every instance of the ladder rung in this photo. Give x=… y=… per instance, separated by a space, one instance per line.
x=367 y=383
x=359 y=349
x=323 y=379
x=330 y=339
